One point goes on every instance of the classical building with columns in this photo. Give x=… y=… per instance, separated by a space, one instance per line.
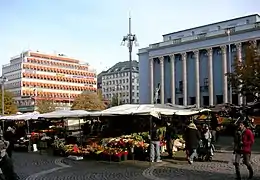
x=189 y=66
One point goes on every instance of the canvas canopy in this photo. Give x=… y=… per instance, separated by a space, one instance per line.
x=155 y=110
x=64 y=114
x=26 y=116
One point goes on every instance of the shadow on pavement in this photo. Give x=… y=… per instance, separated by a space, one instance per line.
x=190 y=173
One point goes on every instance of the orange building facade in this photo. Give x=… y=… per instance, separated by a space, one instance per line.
x=36 y=76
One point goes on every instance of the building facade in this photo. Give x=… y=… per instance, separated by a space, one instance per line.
x=115 y=82
x=189 y=66
x=34 y=76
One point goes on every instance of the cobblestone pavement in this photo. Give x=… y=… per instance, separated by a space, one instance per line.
x=215 y=170
x=90 y=170
x=46 y=168
x=26 y=164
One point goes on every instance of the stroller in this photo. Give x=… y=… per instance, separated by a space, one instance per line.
x=206 y=148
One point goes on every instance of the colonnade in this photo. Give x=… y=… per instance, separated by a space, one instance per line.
x=196 y=54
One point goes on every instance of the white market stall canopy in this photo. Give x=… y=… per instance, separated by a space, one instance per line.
x=64 y=114
x=155 y=110
x=26 y=116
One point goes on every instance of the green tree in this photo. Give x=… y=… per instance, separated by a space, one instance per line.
x=245 y=78
x=9 y=104
x=45 y=106
x=88 y=101
x=116 y=100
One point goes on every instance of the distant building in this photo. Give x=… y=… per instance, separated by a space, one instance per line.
x=115 y=81
x=36 y=76
x=189 y=66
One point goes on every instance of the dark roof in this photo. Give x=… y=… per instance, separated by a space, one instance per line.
x=121 y=67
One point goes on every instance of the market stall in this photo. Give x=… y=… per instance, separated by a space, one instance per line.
x=134 y=145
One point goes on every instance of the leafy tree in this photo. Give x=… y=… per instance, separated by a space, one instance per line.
x=45 y=106
x=116 y=100
x=99 y=93
x=88 y=101
x=245 y=79
x=10 y=106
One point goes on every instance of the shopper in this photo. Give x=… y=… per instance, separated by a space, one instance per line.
x=6 y=164
x=155 y=144
x=10 y=137
x=191 y=137
x=243 y=141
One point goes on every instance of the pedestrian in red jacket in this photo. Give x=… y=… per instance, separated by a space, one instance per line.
x=243 y=142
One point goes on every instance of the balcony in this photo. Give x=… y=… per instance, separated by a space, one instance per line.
x=204 y=88
x=179 y=90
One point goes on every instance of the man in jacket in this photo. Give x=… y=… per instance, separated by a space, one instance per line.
x=155 y=144
x=191 y=137
x=243 y=141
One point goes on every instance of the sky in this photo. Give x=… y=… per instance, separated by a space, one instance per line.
x=92 y=30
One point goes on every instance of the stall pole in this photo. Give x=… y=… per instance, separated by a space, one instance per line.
x=29 y=136
x=80 y=135
x=150 y=134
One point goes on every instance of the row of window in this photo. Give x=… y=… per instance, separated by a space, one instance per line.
x=118 y=75
x=119 y=88
x=59 y=57
x=59 y=78
x=11 y=68
x=41 y=94
x=120 y=81
x=58 y=70
x=13 y=76
x=31 y=102
x=122 y=94
x=55 y=63
x=58 y=86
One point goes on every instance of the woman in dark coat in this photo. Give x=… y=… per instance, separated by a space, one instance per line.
x=191 y=137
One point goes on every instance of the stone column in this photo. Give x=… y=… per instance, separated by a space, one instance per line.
x=172 y=58
x=224 y=69
x=151 y=81
x=239 y=58
x=162 y=79
x=197 y=76
x=210 y=71
x=185 y=85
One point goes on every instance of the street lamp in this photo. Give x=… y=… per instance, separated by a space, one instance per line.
x=228 y=32
x=131 y=40
x=3 y=80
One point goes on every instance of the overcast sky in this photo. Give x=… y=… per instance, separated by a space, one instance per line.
x=92 y=30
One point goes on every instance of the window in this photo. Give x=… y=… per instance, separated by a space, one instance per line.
x=206 y=82
x=219 y=27
x=192 y=33
x=175 y=41
x=247 y=21
x=170 y=37
x=180 y=85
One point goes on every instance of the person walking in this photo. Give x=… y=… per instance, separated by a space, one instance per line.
x=9 y=136
x=191 y=137
x=155 y=144
x=243 y=142
x=169 y=137
x=6 y=164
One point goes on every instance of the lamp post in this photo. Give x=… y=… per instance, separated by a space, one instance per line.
x=131 y=40
x=230 y=64
x=3 y=80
